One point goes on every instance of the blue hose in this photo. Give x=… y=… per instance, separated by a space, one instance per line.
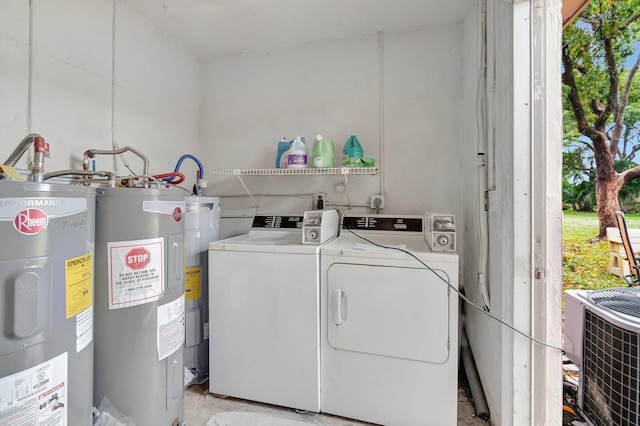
x=177 y=169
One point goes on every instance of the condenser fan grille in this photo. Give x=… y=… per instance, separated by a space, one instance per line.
x=610 y=392
x=625 y=300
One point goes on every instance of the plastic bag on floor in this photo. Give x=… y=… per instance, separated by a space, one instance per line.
x=108 y=415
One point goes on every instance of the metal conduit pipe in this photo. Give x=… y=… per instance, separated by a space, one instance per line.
x=93 y=152
x=111 y=177
x=479 y=400
x=21 y=149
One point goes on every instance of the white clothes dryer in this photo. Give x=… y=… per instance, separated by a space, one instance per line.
x=389 y=325
x=264 y=313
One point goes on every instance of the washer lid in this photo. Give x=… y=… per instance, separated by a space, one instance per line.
x=272 y=241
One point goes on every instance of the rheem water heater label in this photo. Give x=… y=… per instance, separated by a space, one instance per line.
x=36 y=396
x=136 y=272
x=170 y=334
x=84 y=328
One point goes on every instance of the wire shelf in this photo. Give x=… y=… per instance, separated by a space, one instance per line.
x=306 y=171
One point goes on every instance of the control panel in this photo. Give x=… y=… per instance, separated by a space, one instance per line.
x=264 y=222
x=441 y=232
x=319 y=226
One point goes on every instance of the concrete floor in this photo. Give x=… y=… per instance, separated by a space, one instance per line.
x=205 y=409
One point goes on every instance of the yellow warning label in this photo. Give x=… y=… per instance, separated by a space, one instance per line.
x=79 y=280
x=192 y=284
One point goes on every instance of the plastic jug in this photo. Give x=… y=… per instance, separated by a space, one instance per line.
x=352 y=150
x=323 y=152
x=281 y=157
x=297 y=154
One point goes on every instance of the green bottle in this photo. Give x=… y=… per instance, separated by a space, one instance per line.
x=352 y=151
x=323 y=153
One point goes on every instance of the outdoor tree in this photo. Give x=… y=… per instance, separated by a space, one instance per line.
x=601 y=100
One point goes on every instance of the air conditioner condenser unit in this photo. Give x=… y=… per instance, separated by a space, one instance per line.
x=602 y=337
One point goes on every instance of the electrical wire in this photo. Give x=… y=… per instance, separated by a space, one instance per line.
x=482 y=188
x=381 y=108
x=30 y=83
x=460 y=295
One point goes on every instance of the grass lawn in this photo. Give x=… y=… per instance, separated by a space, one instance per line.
x=584 y=265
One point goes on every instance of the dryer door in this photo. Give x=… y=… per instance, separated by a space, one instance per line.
x=388 y=310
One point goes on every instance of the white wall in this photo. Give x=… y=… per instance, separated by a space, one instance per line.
x=14 y=82
x=157 y=94
x=400 y=93
x=83 y=77
x=251 y=101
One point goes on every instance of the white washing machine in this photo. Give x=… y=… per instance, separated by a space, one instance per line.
x=389 y=325
x=264 y=331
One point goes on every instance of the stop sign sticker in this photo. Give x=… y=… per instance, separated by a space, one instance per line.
x=138 y=258
x=136 y=272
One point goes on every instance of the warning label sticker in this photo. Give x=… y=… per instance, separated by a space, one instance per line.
x=84 y=328
x=136 y=272
x=79 y=283
x=36 y=396
x=192 y=283
x=170 y=327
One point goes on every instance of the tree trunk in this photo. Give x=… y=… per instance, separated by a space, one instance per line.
x=607 y=189
x=608 y=182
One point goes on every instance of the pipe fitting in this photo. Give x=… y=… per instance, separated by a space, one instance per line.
x=21 y=149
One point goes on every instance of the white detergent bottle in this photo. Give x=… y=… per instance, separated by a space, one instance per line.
x=297 y=154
